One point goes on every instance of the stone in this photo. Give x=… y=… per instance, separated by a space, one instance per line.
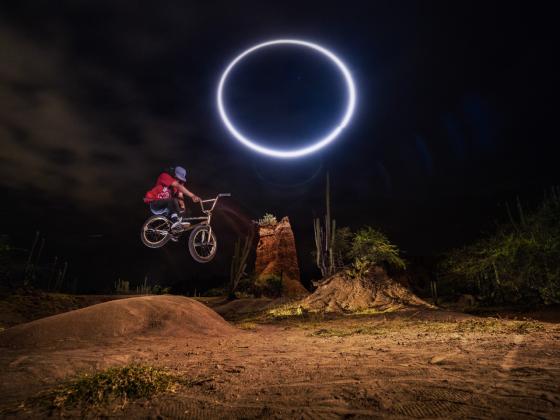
x=276 y=255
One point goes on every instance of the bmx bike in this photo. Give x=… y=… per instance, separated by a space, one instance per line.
x=156 y=231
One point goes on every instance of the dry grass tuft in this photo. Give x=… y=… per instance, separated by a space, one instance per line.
x=336 y=332
x=117 y=384
x=497 y=326
x=247 y=325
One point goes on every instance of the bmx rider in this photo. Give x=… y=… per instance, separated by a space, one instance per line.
x=169 y=193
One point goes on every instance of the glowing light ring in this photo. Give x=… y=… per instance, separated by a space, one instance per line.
x=294 y=152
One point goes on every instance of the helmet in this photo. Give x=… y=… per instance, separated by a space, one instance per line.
x=181 y=173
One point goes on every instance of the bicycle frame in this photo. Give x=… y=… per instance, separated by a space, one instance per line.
x=207 y=211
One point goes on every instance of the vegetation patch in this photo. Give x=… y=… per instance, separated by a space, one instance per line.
x=493 y=325
x=335 y=332
x=286 y=311
x=117 y=384
x=480 y=326
x=247 y=325
x=373 y=311
x=517 y=264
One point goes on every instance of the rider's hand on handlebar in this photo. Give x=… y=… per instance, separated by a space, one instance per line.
x=195 y=199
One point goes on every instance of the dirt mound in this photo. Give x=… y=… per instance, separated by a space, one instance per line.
x=27 y=306
x=378 y=291
x=240 y=307
x=147 y=315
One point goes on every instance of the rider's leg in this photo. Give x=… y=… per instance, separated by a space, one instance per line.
x=175 y=211
x=170 y=204
x=159 y=205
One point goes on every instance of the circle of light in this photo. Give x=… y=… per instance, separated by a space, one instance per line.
x=294 y=152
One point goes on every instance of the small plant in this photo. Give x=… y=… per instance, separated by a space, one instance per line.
x=273 y=286
x=144 y=288
x=342 y=245
x=286 y=311
x=268 y=220
x=496 y=326
x=215 y=292
x=114 y=384
x=359 y=268
x=247 y=325
x=160 y=290
x=239 y=262
x=270 y=286
x=122 y=286
x=346 y=332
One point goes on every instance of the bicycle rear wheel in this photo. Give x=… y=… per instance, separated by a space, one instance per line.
x=203 y=244
x=156 y=232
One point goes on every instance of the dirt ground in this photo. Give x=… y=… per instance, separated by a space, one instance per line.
x=422 y=364
x=27 y=306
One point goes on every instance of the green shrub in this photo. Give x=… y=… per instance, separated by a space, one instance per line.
x=268 y=220
x=160 y=290
x=215 y=292
x=518 y=263
x=371 y=247
x=342 y=246
x=359 y=268
x=273 y=287
x=269 y=286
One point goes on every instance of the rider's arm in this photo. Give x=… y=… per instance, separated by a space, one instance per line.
x=181 y=200
x=183 y=190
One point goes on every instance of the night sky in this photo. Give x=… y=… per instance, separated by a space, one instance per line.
x=455 y=116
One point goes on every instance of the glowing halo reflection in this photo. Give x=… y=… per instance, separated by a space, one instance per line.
x=294 y=152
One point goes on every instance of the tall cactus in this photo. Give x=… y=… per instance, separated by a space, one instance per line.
x=324 y=238
x=239 y=262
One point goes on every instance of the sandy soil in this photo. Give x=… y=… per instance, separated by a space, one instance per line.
x=421 y=364
x=27 y=306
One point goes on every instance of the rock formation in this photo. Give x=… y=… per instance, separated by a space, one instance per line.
x=276 y=255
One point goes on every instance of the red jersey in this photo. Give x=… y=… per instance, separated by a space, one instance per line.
x=162 y=190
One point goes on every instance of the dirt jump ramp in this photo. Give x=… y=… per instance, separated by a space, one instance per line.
x=169 y=316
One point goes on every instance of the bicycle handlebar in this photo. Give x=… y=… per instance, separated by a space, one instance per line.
x=214 y=200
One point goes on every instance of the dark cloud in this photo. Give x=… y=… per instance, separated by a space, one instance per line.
x=62 y=157
x=104 y=158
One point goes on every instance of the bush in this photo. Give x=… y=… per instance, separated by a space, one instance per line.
x=371 y=247
x=268 y=220
x=160 y=290
x=273 y=286
x=342 y=246
x=215 y=292
x=518 y=263
x=269 y=286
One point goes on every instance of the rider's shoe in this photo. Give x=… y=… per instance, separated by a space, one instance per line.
x=176 y=224
x=174 y=238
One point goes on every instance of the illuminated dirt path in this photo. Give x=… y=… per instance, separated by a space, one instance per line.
x=308 y=370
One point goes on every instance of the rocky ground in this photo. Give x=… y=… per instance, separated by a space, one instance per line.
x=280 y=364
